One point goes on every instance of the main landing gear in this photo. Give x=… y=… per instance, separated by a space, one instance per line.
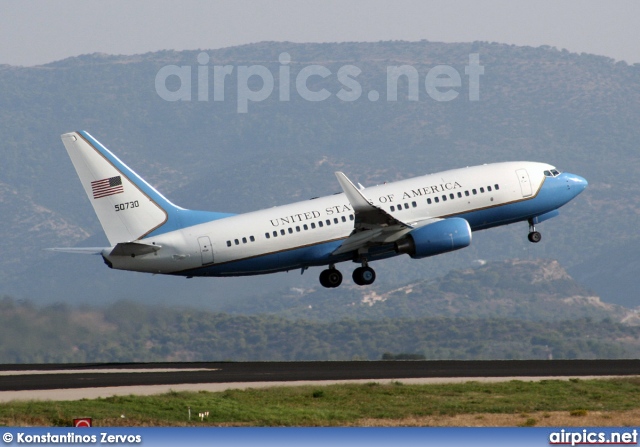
x=534 y=236
x=362 y=276
x=331 y=277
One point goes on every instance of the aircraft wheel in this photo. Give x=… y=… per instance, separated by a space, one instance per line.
x=534 y=237
x=330 y=278
x=363 y=276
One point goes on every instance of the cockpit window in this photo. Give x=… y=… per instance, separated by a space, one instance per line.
x=552 y=173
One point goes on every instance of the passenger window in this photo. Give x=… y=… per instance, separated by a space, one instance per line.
x=436 y=199
x=466 y=193
x=451 y=196
x=320 y=224
x=474 y=192
x=313 y=226
x=428 y=201
x=282 y=232
x=444 y=198
x=236 y=241
x=267 y=235
x=393 y=208
x=335 y=220
x=290 y=230
x=252 y=239
x=305 y=227
x=298 y=229
x=459 y=195
x=482 y=190
x=489 y=188
x=496 y=186
x=244 y=240
x=344 y=219
x=414 y=204
x=328 y=221
x=406 y=206
x=275 y=234
x=350 y=216
x=228 y=243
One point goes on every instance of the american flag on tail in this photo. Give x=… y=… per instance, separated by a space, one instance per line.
x=107 y=187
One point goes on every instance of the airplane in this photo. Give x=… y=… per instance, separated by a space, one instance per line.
x=421 y=217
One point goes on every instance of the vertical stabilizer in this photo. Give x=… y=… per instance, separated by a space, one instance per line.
x=128 y=207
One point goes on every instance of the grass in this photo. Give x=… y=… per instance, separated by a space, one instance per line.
x=472 y=403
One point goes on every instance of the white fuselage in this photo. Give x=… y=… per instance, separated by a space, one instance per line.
x=285 y=237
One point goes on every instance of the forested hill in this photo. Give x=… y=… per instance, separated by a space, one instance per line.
x=514 y=289
x=129 y=332
x=577 y=111
x=498 y=310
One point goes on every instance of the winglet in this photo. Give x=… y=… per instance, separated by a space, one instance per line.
x=367 y=215
x=372 y=224
x=356 y=198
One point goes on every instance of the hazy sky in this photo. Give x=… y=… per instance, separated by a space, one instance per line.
x=35 y=32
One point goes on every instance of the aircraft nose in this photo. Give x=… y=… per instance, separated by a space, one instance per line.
x=581 y=182
x=576 y=183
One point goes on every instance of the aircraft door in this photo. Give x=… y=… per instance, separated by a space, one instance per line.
x=525 y=183
x=206 y=250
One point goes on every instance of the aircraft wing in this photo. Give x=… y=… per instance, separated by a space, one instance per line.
x=373 y=225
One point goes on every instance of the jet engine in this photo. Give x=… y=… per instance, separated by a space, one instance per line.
x=439 y=237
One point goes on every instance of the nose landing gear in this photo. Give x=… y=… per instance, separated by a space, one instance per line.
x=534 y=236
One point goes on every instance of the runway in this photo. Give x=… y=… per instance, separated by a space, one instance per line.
x=76 y=376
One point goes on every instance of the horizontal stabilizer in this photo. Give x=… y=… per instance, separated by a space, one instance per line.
x=134 y=249
x=80 y=250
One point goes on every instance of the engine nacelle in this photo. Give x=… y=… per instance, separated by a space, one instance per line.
x=433 y=239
